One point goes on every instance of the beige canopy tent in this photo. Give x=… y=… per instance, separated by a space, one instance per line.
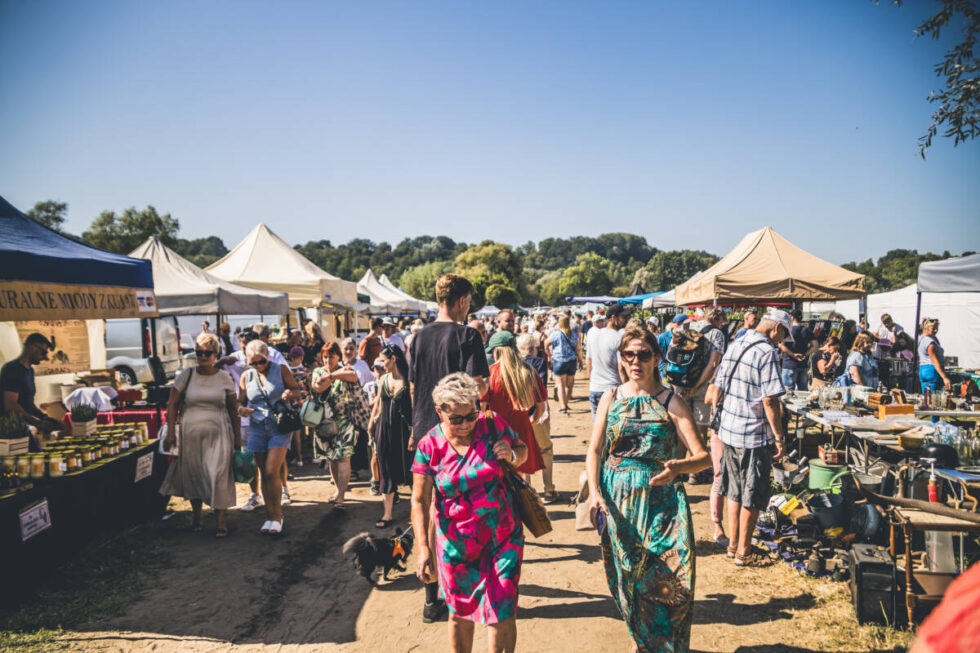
x=766 y=266
x=264 y=260
x=182 y=288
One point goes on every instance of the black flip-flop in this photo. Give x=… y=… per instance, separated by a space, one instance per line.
x=384 y=523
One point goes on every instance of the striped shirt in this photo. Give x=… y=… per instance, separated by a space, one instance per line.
x=743 y=418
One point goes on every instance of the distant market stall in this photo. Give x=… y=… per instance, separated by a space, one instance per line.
x=265 y=261
x=384 y=300
x=764 y=266
x=431 y=307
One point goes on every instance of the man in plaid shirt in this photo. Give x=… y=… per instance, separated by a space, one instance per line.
x=751 y=421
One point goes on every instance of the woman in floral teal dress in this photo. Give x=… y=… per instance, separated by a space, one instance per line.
x=334 y=438
x=645 y=522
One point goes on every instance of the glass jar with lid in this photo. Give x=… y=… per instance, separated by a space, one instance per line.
x=37 y=465
x=56 y=465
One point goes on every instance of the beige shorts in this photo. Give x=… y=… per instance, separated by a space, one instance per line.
x=701 y=410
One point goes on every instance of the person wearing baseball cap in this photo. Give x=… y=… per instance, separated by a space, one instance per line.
x=746 y=389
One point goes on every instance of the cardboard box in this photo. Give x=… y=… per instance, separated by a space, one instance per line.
x=829 y=455
x=895 y=409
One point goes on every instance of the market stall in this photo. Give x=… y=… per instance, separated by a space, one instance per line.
x=265 y=261
x=384 y=300
x=430 y=307
x=764 y=266
x=879 y=496
x=958 y=276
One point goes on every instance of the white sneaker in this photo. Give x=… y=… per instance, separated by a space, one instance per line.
x=285 y=497
x=252 y=503
x=298 y=463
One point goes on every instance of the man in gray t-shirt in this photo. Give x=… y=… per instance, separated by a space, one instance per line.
x=602 y=354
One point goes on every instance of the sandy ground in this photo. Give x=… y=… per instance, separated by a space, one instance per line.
x=298 y=593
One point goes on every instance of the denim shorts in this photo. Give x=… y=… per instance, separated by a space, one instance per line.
x=263 y=435
x=568 y=368
x=594 y=398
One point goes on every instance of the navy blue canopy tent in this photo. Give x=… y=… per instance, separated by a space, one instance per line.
x=45 y=275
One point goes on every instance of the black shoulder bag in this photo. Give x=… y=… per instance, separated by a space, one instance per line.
x=716 y=418
x=287 y=418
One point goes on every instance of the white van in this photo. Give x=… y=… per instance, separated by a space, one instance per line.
x=129 y=345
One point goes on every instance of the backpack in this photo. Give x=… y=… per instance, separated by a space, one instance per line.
x=686 y=356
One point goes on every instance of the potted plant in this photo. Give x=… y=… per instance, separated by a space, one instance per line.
x=83 y=419
x=14 y=435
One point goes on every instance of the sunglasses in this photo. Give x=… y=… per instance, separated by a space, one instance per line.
x=204 y=353
x=457 y=420
x=259 y=363
x=644 y=356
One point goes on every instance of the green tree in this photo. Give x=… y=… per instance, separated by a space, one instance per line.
x=420 y=281
x=589 y=276
x=896 y=269
x=491 y=263
x=501 y=296
x=668 y=269
x=50 y=213
x=202 y=252
x=959 y=100
x=122 y=233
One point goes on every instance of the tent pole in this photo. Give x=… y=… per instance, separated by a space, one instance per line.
x=916 y=386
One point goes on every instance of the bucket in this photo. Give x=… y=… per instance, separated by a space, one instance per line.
x=783 y=473
x=823 y=476
x=828 y=509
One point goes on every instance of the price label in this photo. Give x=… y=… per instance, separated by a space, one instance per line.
x=34 y=519
x=144 y=467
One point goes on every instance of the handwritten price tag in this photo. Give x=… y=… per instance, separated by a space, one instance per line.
x=144 y=467
x=34 y=519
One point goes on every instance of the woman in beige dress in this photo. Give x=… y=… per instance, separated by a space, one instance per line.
x=209 y=429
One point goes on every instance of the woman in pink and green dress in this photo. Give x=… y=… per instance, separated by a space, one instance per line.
x=479 y=542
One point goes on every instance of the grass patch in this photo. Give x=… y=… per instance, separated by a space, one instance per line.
x=101 y=579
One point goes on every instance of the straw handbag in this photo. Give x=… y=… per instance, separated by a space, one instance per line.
x=525 y=500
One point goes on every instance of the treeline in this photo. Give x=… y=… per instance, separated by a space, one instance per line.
x=546 y=272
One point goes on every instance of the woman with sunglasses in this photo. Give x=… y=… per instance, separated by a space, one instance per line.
x=642 y=514
x=209 y=427
x=260 y=388
x=335 y=437
x=391 y=428
x=479 y=540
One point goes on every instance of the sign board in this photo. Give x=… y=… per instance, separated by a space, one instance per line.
x=28 y=300
x=144 y=467
x=34 y=519
x=70 y=338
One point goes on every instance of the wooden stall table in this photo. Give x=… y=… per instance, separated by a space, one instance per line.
x=909 y=521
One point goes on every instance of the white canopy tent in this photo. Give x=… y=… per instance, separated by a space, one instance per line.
x=957 y=312
x=264 y=260
x=663 y=300
x=385 y=300
x=182 y=288
x=419 y=304
x=954 y=276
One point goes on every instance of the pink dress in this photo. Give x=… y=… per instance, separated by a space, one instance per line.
x=479 y=538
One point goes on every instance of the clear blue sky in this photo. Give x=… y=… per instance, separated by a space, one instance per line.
x=690 y=123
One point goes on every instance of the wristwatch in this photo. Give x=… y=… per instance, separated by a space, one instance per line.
x=513 y=456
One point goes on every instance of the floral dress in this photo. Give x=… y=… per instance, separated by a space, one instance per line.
x=479 y=539
x=336 y=435
x=648 y=544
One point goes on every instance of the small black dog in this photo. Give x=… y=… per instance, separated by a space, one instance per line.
x=369 y=553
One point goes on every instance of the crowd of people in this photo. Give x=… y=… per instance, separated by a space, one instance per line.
x=440 y=406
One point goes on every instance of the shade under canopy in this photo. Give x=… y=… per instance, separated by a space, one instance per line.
x=182 y=288
x=952 y=275
x=44 y=275
x=264 y=260
x=766 y=266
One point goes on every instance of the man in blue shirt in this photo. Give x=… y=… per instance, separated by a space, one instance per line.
x=751 y=321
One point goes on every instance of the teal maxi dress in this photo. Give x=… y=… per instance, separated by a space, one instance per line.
x=648 y=544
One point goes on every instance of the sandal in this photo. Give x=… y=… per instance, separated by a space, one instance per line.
x=731 y=552
x=197 y=528
x=221 y=533
x=550 y=497
x=384 y=523
x=752 y=560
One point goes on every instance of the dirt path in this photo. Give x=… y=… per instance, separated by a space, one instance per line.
x=250 y=592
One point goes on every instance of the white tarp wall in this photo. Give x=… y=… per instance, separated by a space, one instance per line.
x=958 y=314
x=849 y=308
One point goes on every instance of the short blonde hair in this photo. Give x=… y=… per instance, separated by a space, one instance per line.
x=456 y=389
x=257 y=348
x=208 y=341
x=526 y=343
